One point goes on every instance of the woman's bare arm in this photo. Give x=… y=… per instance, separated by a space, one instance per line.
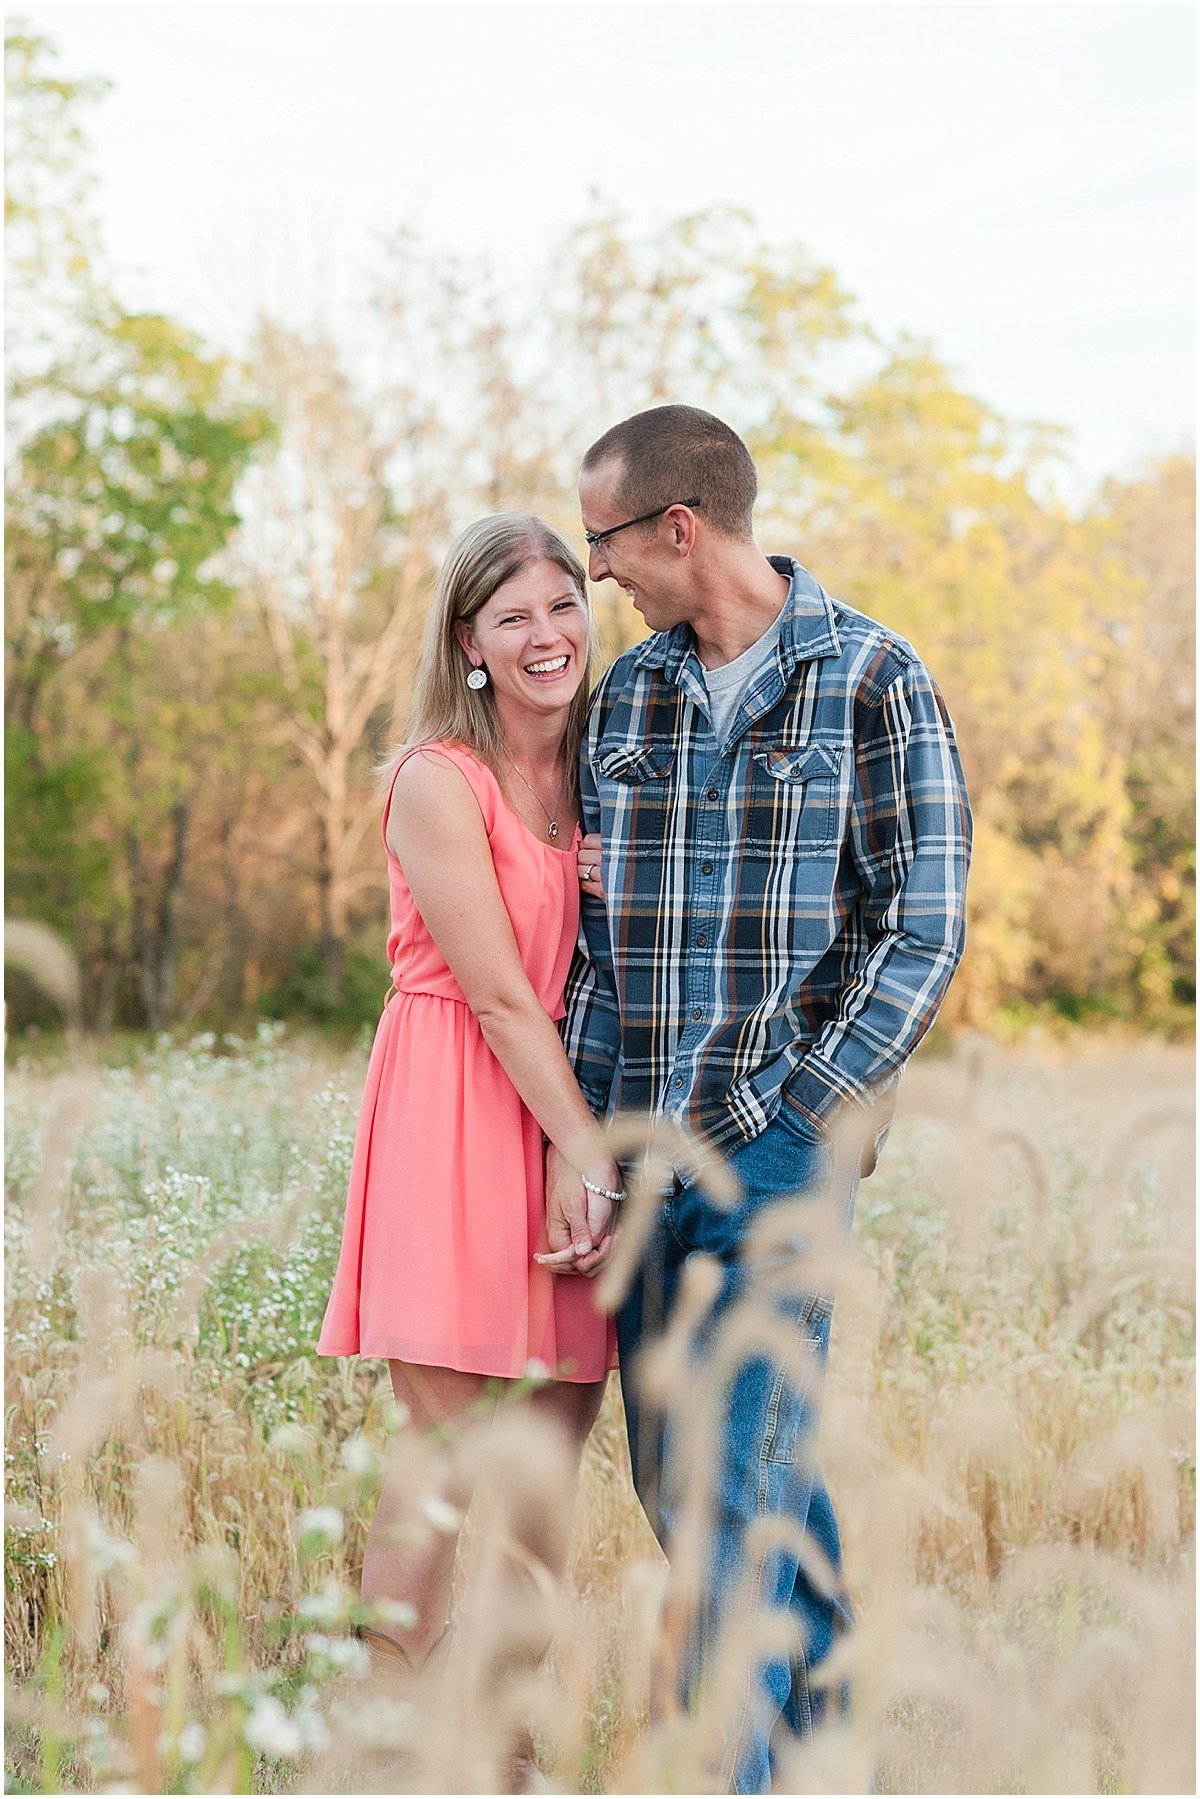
x=436 y=832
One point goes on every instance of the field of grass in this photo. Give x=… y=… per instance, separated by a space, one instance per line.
x=1008 y=1437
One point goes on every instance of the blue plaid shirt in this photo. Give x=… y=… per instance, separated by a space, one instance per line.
x=783 y=914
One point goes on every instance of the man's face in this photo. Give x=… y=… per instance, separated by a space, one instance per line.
x=647 y=567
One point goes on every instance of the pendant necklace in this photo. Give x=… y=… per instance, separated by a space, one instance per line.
x=551 y=823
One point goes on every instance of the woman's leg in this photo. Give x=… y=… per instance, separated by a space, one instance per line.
x=420 y=1573
x=574 y=1406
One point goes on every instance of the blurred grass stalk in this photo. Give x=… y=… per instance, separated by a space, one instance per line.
x=1007 y=1433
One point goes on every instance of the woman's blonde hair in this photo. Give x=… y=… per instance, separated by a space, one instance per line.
x=485 y=556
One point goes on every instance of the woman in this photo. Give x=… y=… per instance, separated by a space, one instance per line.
x=446 y=1204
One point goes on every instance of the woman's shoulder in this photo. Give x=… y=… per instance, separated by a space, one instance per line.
x=423 y=774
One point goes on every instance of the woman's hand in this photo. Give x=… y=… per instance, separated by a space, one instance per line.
x=589 y=866
x=579 y=1223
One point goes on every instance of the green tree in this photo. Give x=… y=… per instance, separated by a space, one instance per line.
x=931 y=512
x=128 y=443
x=1153 y=517
x=129 y=498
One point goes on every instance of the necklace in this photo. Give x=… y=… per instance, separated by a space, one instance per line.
x=551 y=823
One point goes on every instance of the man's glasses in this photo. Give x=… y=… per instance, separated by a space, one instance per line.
x=593 y=538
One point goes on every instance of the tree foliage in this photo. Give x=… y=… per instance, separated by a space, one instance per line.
x=218 y=576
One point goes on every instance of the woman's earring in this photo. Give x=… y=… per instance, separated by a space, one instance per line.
x=477 y=679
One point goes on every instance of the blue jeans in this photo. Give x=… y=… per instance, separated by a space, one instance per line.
x=739 y=1443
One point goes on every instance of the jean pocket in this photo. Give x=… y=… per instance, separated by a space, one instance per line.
x=799 y=1124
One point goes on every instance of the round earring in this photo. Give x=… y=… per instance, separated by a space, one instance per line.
x=477 y=679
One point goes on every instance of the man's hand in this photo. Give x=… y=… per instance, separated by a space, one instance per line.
x=579 y=1224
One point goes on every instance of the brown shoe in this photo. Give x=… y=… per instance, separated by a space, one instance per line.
x=388 y=1655
x=385 y=1652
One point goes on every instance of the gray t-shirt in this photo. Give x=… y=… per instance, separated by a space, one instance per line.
x=727 y=686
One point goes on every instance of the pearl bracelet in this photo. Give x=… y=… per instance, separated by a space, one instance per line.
x=603 y=1192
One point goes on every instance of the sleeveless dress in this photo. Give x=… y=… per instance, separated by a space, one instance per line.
x=446 y=1205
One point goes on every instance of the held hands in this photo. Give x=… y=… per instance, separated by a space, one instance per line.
x=579 y=1223
x=589 y=870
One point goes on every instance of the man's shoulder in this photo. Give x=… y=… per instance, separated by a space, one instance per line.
x=873 y=652
x=630 y=669
x=858 y=627
x=867 y=654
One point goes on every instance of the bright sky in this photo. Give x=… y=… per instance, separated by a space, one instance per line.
x=1015 y=182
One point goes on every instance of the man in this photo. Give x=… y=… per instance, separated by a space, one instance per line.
x=785 y=837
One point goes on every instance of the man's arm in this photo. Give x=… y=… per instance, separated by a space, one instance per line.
x=591 y=1028
x=910 y=835
x=591 y=1032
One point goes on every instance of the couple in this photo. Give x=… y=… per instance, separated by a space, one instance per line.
x=773 y=900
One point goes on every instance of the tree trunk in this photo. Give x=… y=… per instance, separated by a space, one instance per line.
x=232 y=988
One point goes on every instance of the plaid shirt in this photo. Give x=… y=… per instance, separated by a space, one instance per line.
x=782 y=915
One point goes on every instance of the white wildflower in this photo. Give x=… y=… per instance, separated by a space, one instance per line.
x=269 y=1729
x=536 y=1370
x=441 y=1514
x=311 y=1726
x=107 y=1552
x=396 y=1612
x=320 y=1528
x=340 y=1652
x=359 y=1458
x=326 y=1607
x=290 y=1439
x=192 y=1742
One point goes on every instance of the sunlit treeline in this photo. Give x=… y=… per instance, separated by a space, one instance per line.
x=217 y=573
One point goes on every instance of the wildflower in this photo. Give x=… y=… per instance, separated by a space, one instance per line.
x=326 y=1607
x=290 y=1439
x=340 y=1652
x=536 y=1370
x=319 y=1528
x=310 y=1724
x=192 y=1742
x=269 y=1729
x=358 y=1458
x=441 y=1514
x=396 y=1612
x=107 y=1552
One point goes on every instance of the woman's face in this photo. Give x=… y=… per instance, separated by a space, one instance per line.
x=532 y=637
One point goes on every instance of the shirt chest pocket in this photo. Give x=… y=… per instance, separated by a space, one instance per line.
x=794 y=803
x=636 y=791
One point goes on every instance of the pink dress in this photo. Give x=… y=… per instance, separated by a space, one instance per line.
x=447 y=1187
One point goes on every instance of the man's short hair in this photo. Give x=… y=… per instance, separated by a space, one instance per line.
x=672 y=454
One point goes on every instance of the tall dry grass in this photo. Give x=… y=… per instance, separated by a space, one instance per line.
x=1007 y=1435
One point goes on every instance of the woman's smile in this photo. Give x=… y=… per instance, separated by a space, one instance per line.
x=548 y=670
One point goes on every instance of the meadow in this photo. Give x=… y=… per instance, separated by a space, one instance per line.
x=1008 y=1437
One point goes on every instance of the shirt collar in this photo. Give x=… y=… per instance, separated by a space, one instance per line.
x=808 y=630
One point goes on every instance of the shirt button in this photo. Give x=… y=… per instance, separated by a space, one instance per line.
x=712 y=794
x=706 y=868
x=697 y=1012
x=702 y=943
x=679 y=1080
